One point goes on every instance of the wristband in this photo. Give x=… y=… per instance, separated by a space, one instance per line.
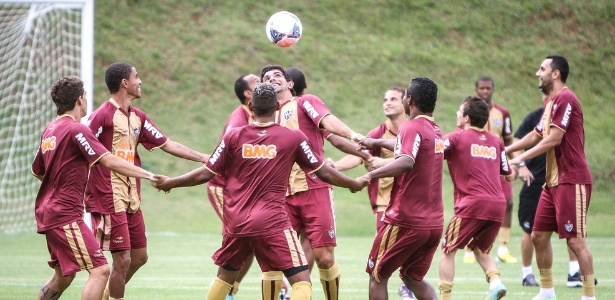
x=521 y=164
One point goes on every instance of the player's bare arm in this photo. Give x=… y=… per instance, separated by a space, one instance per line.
x=529 y=140
x=347 y=162
x=370 y=144
x=179 y=150
x=123 y=167
x=348 y=147
x=336 y=126
x=400 y=165
x=552 y=140
x=192 y=178
x=334 y=177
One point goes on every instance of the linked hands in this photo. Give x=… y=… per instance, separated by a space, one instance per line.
x=361 y=183
x=367 y=144
x=161 y=183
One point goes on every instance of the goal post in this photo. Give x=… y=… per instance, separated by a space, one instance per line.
x=40 y=41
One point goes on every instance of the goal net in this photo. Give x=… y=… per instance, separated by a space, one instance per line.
x=40 y=41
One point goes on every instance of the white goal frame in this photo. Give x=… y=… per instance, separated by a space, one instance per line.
x=86 y=69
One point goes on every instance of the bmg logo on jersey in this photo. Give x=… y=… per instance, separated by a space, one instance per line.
x=483 y=151
x=48 y=144
x=258 y=151
x=440 y=145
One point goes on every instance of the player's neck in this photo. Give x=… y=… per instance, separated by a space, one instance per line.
x=558 y=87
x=284 y=96
x=394 y=123
x=123 y=100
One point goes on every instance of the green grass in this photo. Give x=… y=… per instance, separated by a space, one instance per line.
x=180 y=267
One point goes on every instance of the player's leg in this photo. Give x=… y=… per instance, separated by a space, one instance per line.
x=528 y=201
x=447 y=274
x=378 y=288
x=458 y=234
x=242 y=273
x=307 y=249
x=503 y=252
x=544 y=224
x=222 y=285
x=138 y=243
x=96 y=283
x=572 y=202
x=56 y=285
x=300 y=283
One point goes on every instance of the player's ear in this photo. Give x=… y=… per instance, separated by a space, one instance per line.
x=277 y=106
x=247 y=94
x=250 y=106
x=291 y=84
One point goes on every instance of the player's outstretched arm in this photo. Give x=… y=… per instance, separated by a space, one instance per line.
x=398 y=166
x=347 y=162
x=348 y=147
x=529 y=140
x=336 y=126
x=334 y=177
x=371 y=144
x=123 y=167
x=192 y=178
x=179 y=150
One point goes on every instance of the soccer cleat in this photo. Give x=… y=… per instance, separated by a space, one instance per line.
x=469 y=258
x=230 y=297
x=539 y=297
x=496 y=293
x=529 y=280
x=506 y=258
x=575 y=280
x=405 y=293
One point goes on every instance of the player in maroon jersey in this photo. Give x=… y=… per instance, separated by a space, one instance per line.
x=379 y=190
x=114 y=200
x=67 y=150
x=241 y=116
x=500 y=124
x=565 y=198
x=415 y=216
x=476 y=159
x=310 y=201
x=256 y=162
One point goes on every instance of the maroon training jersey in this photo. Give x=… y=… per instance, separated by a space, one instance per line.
x=305 y=113
x=379 y=190
x=476 y=159
x=120 y=132
x=241 y=116
x=68 y=149
x=566 y=163
x=416 y=198
x=256 y=161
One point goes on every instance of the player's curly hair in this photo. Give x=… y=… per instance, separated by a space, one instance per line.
x=477 y=109
x=65 y=93
x=114 y=75
x=264 y=98
x=424 y=93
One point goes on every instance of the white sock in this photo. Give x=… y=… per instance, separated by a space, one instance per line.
x=587 y=298
x=502 y=250
x=469 y=253
x=527 y=271
x=547 y=293
x=573 y=267
x=495 y=283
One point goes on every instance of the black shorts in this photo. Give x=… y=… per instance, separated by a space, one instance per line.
x=528 y=201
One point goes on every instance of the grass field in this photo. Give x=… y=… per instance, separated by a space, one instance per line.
x=180 y=267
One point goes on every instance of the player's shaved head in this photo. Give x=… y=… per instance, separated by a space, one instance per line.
x=264 y=99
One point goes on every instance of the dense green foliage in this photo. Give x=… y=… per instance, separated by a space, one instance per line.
x=189 y=53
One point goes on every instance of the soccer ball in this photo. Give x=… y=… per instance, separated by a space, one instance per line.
x=284 y=29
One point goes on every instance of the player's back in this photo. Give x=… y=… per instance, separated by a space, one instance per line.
x=256 y=162
x=476 y=159
x=66 y=152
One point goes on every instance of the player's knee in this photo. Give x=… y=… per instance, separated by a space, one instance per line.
x=139 y=260
x=121 y=261
x=324 y=259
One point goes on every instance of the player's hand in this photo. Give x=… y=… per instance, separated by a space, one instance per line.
x=356 y=137
x=367 y=144
x=162 y=183
x=330 y=162
x=526 y=175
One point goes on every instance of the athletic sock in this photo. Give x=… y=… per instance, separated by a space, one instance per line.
x=219 y=289
x=330 y=280
x=526 y=271
x=301 y=290
x=504 y=237
x=589 y=287
x=493 y=278
x=272 y=284
x=573 y=267
x=446 y=289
